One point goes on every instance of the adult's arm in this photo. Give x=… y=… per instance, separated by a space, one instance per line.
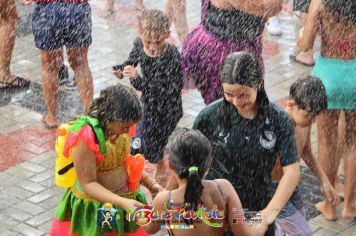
x=309 y=31
x=85 y=165
x=287 y=151
x=285 y=189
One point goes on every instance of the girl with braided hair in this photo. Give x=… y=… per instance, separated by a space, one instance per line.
x=189 y=160
x=247 y=132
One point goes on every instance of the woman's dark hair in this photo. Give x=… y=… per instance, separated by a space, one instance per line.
x=242 y=68
x=191 y=149
x=309 y=94
x=343 y=9
x=116 y=103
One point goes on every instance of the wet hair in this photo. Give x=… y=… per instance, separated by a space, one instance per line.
x=153 y=22
x=309 y=94
x=191 y=148
x=242 y=68
x=116 y=103
x=343 y=9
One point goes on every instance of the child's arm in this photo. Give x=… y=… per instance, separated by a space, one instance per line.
x=85 y=166
x=314 y=165
x=137 y=81
x=132 y=60
x=158 y=204
x=151 y=184
x=235 y=208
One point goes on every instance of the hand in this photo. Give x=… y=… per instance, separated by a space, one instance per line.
x=26 y=2
x=329 y=192
x=130 y=71
x=156 y=188
x=268 y=216
x=259 y=224
x=118 y=73
x=259 y=228
x=131 y=205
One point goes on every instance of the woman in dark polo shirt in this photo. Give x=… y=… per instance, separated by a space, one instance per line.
x=247 y=132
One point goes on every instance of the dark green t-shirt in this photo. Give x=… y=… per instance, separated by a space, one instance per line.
x=242 y=155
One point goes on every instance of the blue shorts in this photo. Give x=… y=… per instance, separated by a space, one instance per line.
x=58 y=24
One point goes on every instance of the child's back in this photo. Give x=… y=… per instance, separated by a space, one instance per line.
x=213 y=199
x=189 y=159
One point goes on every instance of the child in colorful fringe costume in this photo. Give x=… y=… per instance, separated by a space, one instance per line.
x=100 y=145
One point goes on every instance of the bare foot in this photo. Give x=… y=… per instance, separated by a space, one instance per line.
x=339 y=187
x=327 y=210
x=349 y=211
x=161 y=174
x=306 y=58
x=49 y=121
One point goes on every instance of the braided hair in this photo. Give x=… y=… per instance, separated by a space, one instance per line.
x=242 y=68
x=190 y=157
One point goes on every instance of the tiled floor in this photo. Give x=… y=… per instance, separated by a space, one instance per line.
x=28 y=195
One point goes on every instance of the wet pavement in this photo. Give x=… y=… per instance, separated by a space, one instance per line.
x=28 y=196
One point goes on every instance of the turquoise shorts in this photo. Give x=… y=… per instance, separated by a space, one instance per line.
x=339 y=79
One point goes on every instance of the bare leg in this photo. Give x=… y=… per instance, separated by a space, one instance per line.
x=109 y=7
x=339 y=187
x=51 y=62
x=139 y=8
x=78 y=60
x=176 y=11
x=349 y=210
x=305 y=57
x=329 y=161
x=139 y=4
x=8 y=22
